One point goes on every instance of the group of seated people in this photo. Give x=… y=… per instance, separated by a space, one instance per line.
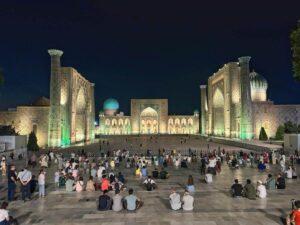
x=118 y=202
x=250 y=192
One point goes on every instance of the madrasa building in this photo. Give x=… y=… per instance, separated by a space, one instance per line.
x=68 y=117
x=148 y=116
x=234 y=104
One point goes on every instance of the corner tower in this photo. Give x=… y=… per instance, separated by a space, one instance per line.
x=54 y=139
x=246 y=126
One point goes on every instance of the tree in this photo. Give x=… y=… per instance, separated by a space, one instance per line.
x=32 y=142
x=279 y=133
x=8 y=130
x=290 y=128
x=262 y=134
x=295 y=44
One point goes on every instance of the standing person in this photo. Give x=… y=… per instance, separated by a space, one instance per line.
x=56 y=178
x=25 y=177
x=41 y=182
x=3 y=166
x=131 y=202
x=175 y=200
x=11 y=183
x=187 y=201
x=4 y=216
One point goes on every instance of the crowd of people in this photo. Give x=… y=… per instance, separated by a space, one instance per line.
x=86 y=172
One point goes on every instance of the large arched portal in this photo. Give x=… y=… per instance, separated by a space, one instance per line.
x=218 y=113
x=149 y=121
x=81 y=109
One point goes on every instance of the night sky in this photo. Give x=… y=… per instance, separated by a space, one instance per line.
x=145 y=49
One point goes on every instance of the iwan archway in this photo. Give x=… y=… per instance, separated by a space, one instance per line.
x=149 y=121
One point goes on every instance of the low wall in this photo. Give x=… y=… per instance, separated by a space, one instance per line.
x=248 y=145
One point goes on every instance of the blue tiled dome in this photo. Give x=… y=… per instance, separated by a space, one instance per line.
x=111 y=104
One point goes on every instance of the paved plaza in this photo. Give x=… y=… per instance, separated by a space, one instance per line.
x=213 y=203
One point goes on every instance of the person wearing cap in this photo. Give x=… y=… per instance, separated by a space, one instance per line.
x=261 y=191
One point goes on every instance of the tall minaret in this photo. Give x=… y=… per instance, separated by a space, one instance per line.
x=246 y=131
x=203 y=109
x=54 y=132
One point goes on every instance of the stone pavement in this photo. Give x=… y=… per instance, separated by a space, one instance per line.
x=213 y=204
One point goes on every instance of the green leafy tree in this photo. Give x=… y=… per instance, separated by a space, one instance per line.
x=279 y=132
x=295 y=44
x=32 y=142
x=8 y=130
x=262 y=134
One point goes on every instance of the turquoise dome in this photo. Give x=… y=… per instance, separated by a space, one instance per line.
x=111 y=104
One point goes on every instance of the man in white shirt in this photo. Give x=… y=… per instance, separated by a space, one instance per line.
x=117 y=201
x=100 y=172
x=261 y=191
x=175 y=200
x=25 y=178
x=4 y=217
x=188 y=202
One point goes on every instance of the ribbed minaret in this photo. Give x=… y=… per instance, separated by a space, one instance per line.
x=203 y=109
x=246 y=131
x=54 y=133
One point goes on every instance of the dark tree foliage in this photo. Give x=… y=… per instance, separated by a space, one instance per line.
x=290 y=128
x=32 y=142
x=8 y=131
x=279 y=132
x=263 y=135
x=295 y=44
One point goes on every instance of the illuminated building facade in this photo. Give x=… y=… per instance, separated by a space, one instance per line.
x=234 y=104
x=148 y=116
x=69 y=115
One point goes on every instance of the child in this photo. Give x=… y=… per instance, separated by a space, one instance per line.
x=56 y=178
x=41 y=182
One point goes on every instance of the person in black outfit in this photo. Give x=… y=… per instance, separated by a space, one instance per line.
x=12 y=182
x=104 y=202
x=237 y=189
x=155 y=173
x=280 y=182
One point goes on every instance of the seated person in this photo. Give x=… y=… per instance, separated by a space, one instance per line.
x=187 y=202
x=104 y=202
x=131 y=202
x=289 y=173
x=104 y=183
x=294 y=175
x=70 y=183
x=163 y=174
x=150 y=184
x=261 y=191
x=90 y=185
x=155 y=173
x=270 y=182
x=236 y=189
x=294 y=216
x=116 y=185
x=280 y=182
x=208 y=178
x=4 y=217
x=117 y=199
x=184 y=164
x=190 y=184
x=261 y=166
x=144 y=171
x=175 y=200
x=121 y=177
x=249 y=190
